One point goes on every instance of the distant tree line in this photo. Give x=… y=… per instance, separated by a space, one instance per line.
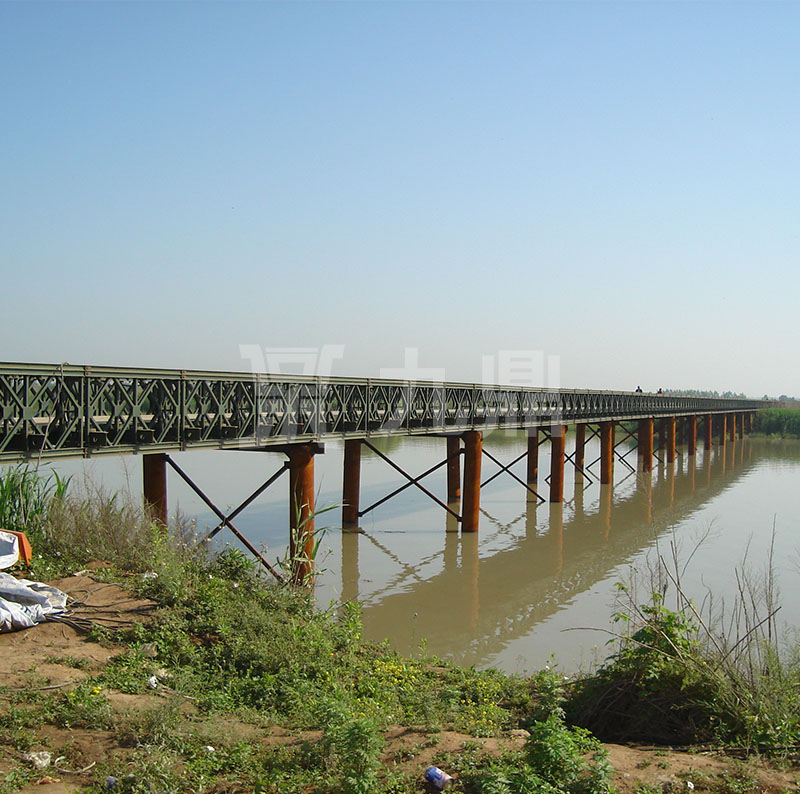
x=705 y=393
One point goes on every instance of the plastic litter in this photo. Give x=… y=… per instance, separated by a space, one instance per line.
x=40 y=760
x=437 y=777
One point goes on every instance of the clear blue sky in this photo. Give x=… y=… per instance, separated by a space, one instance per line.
x=615 y=184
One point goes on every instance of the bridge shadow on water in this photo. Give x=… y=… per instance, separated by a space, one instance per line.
x=478 y=600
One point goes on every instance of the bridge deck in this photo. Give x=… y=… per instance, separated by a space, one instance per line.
x=62 y=411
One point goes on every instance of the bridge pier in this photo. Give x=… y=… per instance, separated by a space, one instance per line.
x=580 y=450
x=471 y=492
x=671 y=423
x=723 y=429
x=532 y=477
x=645 y=445
x=708 y=435
x=351 y=483
x=301 y=510
x=154 y=482
x=453 y=469
x=692 y=434
x=732 y=427
x=606 y=453
x=557 y=457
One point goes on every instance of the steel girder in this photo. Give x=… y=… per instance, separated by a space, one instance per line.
x=52 y=411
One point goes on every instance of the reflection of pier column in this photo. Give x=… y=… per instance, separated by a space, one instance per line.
x=470 y=512
x=451 y=551
x=578 y=498
x=453 y=469
x=351 y=482
x=533 y=460
x=671 y=484
x=708 y=436
x=645 y=445
x=301 y=510
x=691 y=431
x=670 y=423
x=154 y=482
x=470 y=564
x=557 y=439
x=606 y=452
x=645 y=484
x=556 y=535
x=606 y=500
x=531 y=518
x=580 y=452
x=350 y=573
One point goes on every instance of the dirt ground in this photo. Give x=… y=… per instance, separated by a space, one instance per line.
x=31 y=658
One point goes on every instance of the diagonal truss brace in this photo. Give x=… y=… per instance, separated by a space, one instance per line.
x=507 y=470
x=226 y=520
x=411 y=481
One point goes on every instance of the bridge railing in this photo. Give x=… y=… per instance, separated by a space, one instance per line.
x=50 y=411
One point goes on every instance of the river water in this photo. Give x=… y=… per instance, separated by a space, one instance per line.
x=538 y=581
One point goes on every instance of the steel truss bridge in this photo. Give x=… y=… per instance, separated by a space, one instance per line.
x=65 y=411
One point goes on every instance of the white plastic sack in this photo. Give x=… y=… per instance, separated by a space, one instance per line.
x=24 y=603
x=9 y=549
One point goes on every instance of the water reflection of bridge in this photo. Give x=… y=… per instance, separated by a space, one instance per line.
x=552 y=556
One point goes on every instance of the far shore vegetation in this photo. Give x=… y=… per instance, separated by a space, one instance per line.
x=227 y=646
x=783 y=422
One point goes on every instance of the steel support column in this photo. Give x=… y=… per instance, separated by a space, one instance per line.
x=732 y=427
x=557 y=443
x=580 y=449
x=453 y=469
x=692 y=434
x=154 y=480
x=351 y=482
x=533 y=457
x=708 y=434
x=671 y=429
x=471 y=492
x=606 y=452
x=645 y=445
x=301 y=511
x=723 y=430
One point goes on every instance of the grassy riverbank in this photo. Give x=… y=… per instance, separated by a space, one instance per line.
x=784 y=422
x=221 y=681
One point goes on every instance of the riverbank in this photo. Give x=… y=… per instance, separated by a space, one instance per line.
x=184 y=671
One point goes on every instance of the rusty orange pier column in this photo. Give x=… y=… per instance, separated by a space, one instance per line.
x=692 y=434
x=301 y=511
x=580 y=449
x=453 y=469
x=723 y=430
x=533 y=458
x=606 y=452
x=557 y=443
x=471 y=492
x=154 y=481
x=708 y=435
x=671 y=430
x=732 y=427
x=645 y=445
x=351 y=482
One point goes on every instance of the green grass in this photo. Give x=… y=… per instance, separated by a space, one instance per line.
x=784 y=422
